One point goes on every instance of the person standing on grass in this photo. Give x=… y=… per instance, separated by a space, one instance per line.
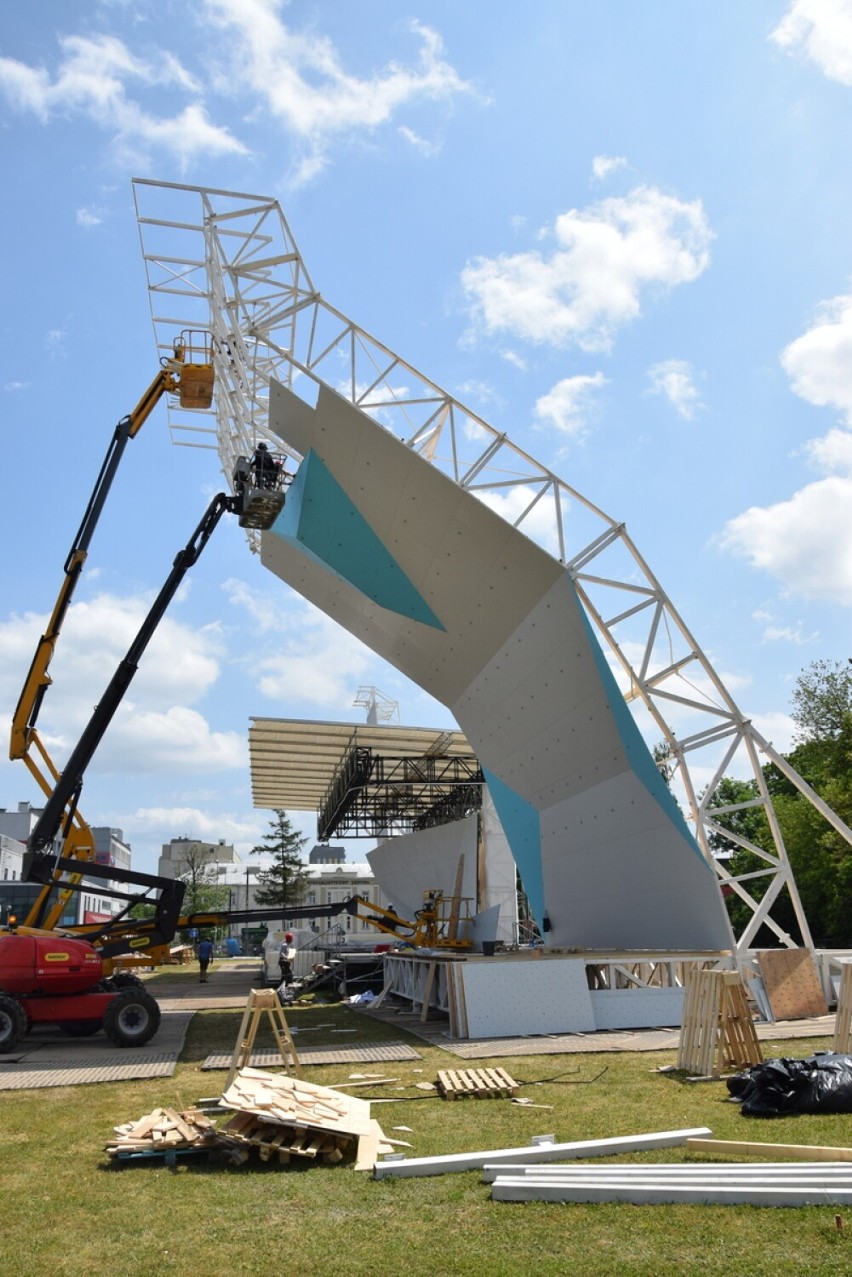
x=204 y=952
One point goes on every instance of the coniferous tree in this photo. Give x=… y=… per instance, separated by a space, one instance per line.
x=283 y=883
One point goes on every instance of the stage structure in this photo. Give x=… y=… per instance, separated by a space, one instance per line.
x=419 y=791
x=228 y=261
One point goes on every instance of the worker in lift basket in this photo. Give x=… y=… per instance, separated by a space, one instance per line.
x=265 y=467
x=286 y=957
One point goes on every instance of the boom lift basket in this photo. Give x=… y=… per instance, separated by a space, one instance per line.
x=194 y=354
x=261 y=494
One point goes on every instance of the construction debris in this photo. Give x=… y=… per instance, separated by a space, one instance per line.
x=766 y=1184
x=540 y=1149
x=313 y=1121
x=797 y=1152
x=163 y=1131
x=275 y=1116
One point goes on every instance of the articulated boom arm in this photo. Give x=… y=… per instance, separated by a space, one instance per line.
x=40 y=863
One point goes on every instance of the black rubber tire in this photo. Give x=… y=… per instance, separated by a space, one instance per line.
x=80 y=1028
x=132 y=1018
x=13 y=1023
x=123 y=980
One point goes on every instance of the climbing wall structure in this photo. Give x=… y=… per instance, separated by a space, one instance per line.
x=583 y=631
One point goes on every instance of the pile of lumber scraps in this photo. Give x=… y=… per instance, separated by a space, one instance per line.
x=163 y=1131
x=455 y=1084
x=282 y=1116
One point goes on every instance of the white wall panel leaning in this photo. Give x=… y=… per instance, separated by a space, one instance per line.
x=490 y=624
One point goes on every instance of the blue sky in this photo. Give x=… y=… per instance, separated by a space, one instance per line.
x=619 y=230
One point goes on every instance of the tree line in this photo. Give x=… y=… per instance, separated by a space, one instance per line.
x=821 y=859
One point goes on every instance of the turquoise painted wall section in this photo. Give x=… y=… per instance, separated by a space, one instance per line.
x=522 y=827
x=638 y=755
x=319 y=518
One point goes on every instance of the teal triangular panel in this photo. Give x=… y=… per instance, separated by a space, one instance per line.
x=320 y=519
x=639 y=756
x=522 y=827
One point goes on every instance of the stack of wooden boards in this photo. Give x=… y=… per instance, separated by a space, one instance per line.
x=276 y=1116
x=163 y=1131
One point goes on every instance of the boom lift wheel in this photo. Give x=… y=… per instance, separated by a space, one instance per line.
x=13 y=1023
x=132 y=1018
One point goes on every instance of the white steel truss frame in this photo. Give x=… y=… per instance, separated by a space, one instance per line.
x=228 y=262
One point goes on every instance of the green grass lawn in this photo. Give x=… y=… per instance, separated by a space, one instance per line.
x=67 y=1209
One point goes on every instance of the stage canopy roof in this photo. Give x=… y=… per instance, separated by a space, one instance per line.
x=293 y=762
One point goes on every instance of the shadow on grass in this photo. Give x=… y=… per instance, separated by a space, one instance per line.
x=319 y=1027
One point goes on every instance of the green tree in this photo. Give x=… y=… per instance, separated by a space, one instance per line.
x=820 y=857
x=284 y=882
x=822 y=700
x=203 y=893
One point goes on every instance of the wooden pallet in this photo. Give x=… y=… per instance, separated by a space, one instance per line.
x=718 y=1032
x=482 y=1084
x=843 y=1017
x=246 y=1132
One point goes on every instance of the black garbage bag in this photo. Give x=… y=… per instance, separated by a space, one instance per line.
x=822 y=1083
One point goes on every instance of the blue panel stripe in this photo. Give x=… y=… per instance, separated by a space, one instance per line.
x=522 y=826
x=320 y=519
x=638 y=754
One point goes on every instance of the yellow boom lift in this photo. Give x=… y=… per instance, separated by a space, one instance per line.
x=188 y=373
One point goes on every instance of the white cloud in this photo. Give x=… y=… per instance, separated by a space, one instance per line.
x=776 y=728
x=774 y=633
x=566 y=405
x=154 y=729
x=832 y=454
x=177 y=741
x=606 y=257
x=603 y=165
x=805 y=542
x=88 y=217
x=318 y=664
x=538 y=525
x=674 y=379
x=302 y=81
x=822 y=30
x=421 y=144
x=264 y=610
x=304 y=655
x=819 y=363
x=148 y=828
x=92 y=80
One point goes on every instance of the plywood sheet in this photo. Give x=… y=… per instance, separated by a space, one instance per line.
x=408 y=866
x=791 y=982
x=546 y=996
